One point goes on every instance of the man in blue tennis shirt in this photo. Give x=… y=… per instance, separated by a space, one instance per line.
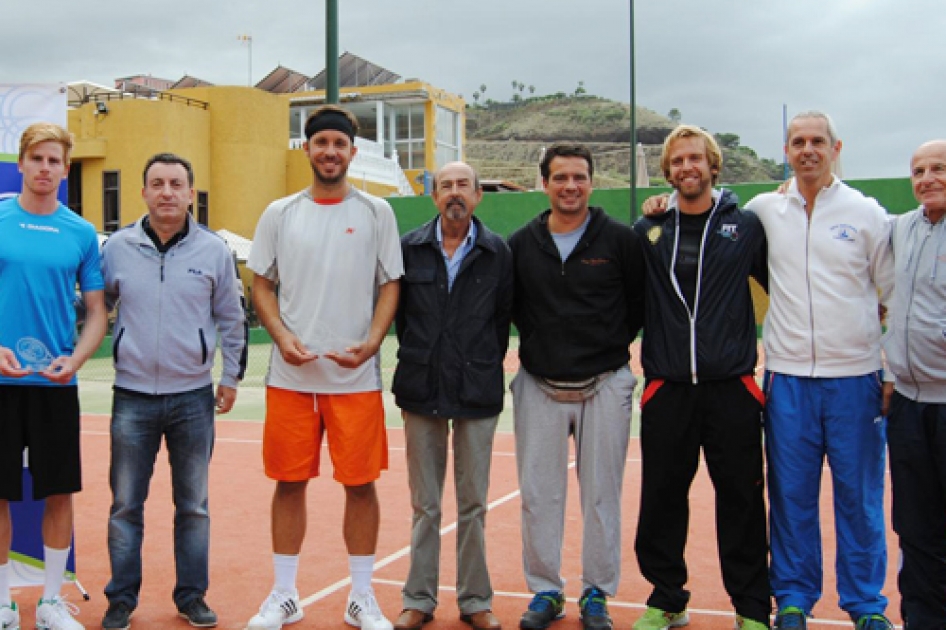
x=45 y=249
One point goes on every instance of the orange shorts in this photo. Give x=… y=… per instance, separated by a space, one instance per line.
x=295 y=422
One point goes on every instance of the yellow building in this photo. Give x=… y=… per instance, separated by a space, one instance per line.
x=244 y=142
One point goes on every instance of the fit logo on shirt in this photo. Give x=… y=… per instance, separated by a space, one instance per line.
x=729 y=231
x=350 y=230
x=844 y=232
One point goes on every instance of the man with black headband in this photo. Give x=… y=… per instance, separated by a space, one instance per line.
x=334 y=254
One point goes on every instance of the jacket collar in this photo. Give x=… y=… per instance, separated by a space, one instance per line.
x=540 y=225
x=143 y=237
x=427 y=235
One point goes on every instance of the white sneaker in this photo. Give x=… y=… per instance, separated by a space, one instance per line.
x=57 y=614
x=363 y=612
x=278 y=609
x=9 y=617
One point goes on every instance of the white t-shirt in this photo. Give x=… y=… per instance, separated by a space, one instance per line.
x=328 y=260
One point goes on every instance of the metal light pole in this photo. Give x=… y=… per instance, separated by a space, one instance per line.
x=784 y=140
x=248 y=40
x=633 y=150
x=331 y=51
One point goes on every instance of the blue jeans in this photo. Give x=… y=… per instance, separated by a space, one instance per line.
x=139 y=421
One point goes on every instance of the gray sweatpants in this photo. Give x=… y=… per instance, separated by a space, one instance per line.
x=601 y=426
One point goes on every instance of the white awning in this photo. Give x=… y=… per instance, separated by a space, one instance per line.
x=238 y=245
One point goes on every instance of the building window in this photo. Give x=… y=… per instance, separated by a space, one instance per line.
x=297 y=117
x=447 y=136
x=74 y=188
x=368 y=123
x=203 y=207
x=406 y=131
x=111 y=201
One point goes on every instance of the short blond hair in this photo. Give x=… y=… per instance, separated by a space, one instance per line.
x=46 y=132
x=713 y=154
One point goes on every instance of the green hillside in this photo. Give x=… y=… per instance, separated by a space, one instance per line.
x=504 y=140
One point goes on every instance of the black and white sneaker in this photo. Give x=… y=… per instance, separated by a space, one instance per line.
x=279 y=609
x=363 y=612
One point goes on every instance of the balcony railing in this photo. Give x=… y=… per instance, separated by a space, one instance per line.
x=371 y=165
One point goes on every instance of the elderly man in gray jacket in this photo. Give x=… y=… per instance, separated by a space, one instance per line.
x=177 y=289
x=916 y=405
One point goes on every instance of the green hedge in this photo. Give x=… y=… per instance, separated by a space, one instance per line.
x=505 y=212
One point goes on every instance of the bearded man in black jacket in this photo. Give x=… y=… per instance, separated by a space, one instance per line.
x=699 y=356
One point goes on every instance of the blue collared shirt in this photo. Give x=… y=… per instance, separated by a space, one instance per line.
x=465 y=247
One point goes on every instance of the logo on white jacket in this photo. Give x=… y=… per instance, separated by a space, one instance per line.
x=844 y=232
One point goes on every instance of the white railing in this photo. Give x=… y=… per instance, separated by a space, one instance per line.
x=371 y=165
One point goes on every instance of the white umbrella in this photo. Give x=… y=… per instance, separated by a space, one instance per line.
x=239 y=245
x=538 y=171
x=643 y=179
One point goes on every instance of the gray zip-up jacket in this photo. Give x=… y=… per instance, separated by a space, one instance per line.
x=171 y=307
x=915 y=343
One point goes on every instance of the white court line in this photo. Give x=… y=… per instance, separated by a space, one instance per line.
x=401 y=553
x=612 y=603
x=405 y=551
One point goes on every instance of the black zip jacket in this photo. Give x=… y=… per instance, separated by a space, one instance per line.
x=452 y=343
x=577 y=318
x=718 y=339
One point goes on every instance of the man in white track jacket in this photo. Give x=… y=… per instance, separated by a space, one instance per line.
x=829 y=257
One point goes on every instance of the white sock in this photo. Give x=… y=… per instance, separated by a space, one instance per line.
x=5 y=585
x=285 y=568
x=55 y=560
x=361 y=567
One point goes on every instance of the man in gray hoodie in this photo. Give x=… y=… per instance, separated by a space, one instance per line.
x=916 y=404
x=177 y=287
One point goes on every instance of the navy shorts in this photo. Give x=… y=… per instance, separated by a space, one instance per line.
x=44 y=420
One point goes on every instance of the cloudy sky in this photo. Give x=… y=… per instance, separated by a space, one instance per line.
x=877 y=66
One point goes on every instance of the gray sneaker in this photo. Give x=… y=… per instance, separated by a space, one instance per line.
x=198 y=613
x=118 y=616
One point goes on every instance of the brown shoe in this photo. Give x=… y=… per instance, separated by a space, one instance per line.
x=482 y=620
x=411 y=619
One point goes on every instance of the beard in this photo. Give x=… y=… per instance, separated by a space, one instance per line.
x=693 y=192
x=456 y=210
x=325 y=180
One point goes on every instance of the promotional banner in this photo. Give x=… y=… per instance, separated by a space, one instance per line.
x=21 y=105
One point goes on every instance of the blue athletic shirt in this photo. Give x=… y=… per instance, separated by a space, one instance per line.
x=41 y=259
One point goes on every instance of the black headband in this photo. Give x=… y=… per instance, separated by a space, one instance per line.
x=329 y=120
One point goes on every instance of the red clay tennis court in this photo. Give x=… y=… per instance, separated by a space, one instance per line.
x=241 y=571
